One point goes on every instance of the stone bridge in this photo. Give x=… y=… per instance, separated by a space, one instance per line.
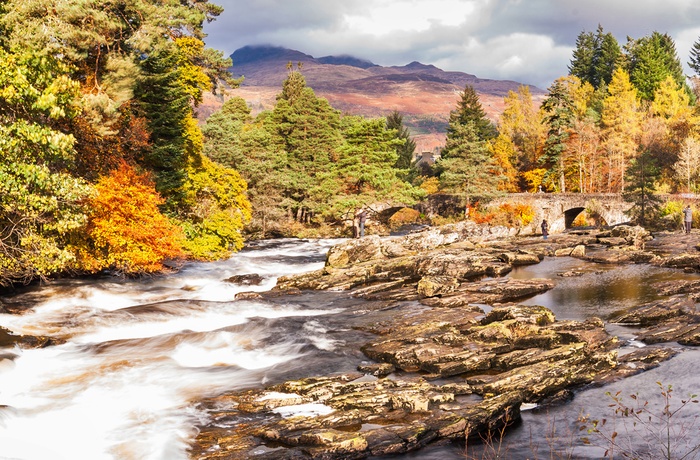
x=561 y=209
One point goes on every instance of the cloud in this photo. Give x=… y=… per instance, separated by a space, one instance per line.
x=529 y=41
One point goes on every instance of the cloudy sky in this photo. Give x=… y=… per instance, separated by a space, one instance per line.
x=529 y=41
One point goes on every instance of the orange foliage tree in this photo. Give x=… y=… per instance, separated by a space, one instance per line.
x=126 y=229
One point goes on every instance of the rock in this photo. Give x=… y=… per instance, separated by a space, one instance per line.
x=252 y=279
x=579 y=251
x=683 y=261
x=432 y=286
x=612 y=241
x=443 y=347
x=377 y=369
x=655 y=313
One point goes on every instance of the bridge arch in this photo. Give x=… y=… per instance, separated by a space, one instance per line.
x=561 y=209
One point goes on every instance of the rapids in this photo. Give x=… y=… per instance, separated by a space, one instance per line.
x=136 y=354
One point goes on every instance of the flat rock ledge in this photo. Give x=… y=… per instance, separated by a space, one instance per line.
x=448 y=379
x=451 y=370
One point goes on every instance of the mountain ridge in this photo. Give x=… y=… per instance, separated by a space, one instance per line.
x=423 y=93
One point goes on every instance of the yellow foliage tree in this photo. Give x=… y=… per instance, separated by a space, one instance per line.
x=622 y=126
x=504 y=153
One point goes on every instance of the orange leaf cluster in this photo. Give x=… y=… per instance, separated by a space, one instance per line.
x=128 y=232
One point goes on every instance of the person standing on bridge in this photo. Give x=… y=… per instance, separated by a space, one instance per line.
x=688 y=218
x=545 y=228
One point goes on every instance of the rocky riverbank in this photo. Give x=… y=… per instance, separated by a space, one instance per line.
x=463 y=363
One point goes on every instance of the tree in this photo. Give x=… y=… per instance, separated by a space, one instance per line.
x=559 y=116
x=650 y=60
x=595 y=58
x=641 y=179
x=223 y=132
x=406 y=150
x=41 y=202
x=106 y=41
x=364 y=173
x=621 y=122
x=521 y=122
x=687 y=168
x=307 y=129
x=126 y=230
x=694 y=62
x=469 y=110
x=467 y=167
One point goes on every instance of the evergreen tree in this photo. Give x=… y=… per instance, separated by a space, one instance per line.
x=223 y=133
x=469 y=110
x=307 y=129
x=694 y=62
x=467 y=165
x=650 y=60
x=164 y=102
x=559 y=116
x=642 y=175
x=364 y=173
x=595 y=57
x=406 y=150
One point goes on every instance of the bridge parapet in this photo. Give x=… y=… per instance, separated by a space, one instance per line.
x=560 y=209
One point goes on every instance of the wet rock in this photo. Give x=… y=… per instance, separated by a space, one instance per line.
x=251 y=279
x=637 y=361
x=377 y=369
x=655 y=313
x=7 y=339
x=432 y=286
x=491 y=292
x=683 y=261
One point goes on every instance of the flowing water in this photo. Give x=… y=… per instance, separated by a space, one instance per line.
x=136 y=354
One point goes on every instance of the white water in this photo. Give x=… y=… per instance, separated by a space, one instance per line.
x=136 y=353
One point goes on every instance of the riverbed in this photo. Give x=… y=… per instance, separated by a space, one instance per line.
x=136 y=354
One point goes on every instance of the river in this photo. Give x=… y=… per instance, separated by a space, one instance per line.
x=135 y=354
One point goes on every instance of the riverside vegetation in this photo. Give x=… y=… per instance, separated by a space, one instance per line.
x=105 y=166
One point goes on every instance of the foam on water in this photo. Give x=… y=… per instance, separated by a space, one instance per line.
x=136 y=354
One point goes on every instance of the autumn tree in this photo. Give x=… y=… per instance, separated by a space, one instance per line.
x=687 y=167
x=126 y=231
x=520 y=123
x=621 y=127
x=105 y=42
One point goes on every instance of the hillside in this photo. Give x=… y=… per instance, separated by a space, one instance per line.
x=423 y=94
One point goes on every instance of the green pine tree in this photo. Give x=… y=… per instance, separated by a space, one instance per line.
x=641 y=177
x=469 y=110
x=467 y=166
x=406 y=151
x=559 y=116
x=650 y=60
x=595 y=57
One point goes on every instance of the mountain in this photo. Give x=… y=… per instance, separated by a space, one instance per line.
x=423 y=94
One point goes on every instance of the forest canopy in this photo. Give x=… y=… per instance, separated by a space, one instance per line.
x=105 y=167
x=101 y=156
